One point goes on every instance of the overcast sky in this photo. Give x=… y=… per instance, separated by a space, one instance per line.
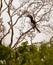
x=38 y=37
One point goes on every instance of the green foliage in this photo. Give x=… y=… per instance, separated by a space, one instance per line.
x=6 y=55
x=4 y=51
x=46 y=53
x=27 y=54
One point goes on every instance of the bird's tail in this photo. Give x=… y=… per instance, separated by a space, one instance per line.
x=37 y=29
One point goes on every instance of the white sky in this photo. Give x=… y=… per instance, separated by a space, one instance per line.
x=39 y=36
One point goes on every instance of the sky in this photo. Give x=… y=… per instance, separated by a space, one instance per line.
x=38 y=37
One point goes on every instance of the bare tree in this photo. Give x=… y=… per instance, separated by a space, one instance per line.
x=39 y=10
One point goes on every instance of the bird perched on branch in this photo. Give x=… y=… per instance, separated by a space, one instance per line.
x=33 y=22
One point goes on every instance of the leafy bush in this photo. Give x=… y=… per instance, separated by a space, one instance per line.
x=27 y=54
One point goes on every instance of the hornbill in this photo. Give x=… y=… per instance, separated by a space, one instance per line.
x=33 y=22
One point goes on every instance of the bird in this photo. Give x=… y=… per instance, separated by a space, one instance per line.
x=31 y=18
x=33 y=22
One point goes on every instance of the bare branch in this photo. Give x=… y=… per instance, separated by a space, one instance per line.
x=20 y=7
x=45 y=14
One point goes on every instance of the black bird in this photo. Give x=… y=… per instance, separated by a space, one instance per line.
x=33 y=22
x=31 y=18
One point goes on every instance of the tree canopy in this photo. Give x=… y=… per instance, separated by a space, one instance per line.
x=27 y=54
